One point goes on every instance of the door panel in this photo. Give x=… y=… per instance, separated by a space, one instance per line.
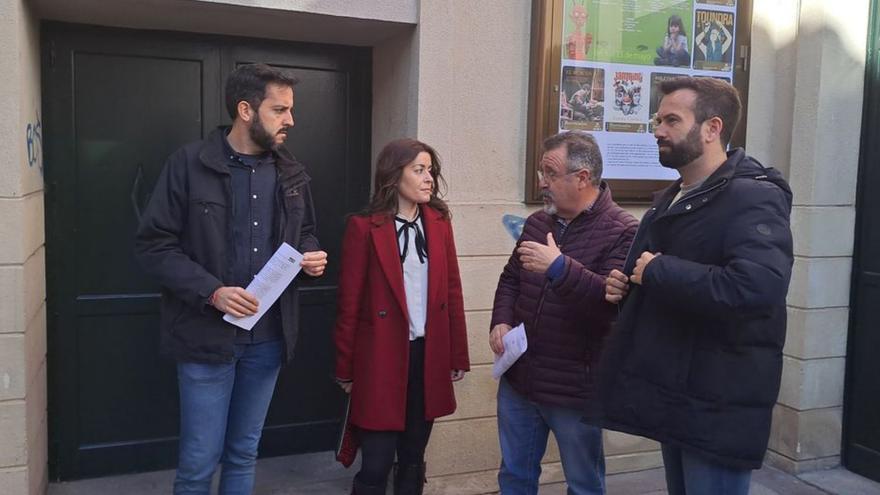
x=131 y=113
x=861 y=428
x=117 y=103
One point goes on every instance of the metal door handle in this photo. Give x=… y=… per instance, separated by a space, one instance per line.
x=136 y=190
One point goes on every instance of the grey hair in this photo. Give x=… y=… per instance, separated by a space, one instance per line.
x=582 y=152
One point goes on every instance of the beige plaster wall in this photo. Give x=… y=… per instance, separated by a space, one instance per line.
x=806 y=91
x=805 y=109
x=364 y=23
x=395 y=92
x=23 y=438
x=388 y=10
x=459 y=81
x=472 y=85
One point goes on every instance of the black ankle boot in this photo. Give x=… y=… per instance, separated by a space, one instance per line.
x=360 y=488
x=409 y=479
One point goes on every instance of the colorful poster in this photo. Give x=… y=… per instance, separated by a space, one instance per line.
x=626 y=31
x=582 y=99
x=713 y=44
x=615 y=55
x=628 y=112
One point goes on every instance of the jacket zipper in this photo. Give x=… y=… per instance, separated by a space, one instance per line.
x=541 y=302
x=547 y=281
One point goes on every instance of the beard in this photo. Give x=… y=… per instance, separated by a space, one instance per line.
x=261 y=137
x=549 y=205
x=684 y=152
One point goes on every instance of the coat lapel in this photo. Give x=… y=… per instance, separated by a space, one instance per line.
x=387 y=250
x=436 y=251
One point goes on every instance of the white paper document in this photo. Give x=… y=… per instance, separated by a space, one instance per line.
x=515 y=344
x=268 y=285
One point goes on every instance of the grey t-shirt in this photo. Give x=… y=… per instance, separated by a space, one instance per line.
x=685 y=190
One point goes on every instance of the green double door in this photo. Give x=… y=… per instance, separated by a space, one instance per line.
x=116 y=103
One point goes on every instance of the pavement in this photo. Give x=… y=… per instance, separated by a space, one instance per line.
x=320 y=474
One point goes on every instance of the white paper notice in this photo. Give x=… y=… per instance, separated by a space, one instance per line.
x=268 y=285
x=515 y=344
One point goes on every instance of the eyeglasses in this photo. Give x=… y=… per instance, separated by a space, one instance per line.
x=552 y=175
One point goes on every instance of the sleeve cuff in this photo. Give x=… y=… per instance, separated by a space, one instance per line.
x=555 y=269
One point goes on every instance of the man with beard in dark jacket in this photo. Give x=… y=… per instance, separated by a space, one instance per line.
x=695 y=360
x=554 y=284
x=221 y=208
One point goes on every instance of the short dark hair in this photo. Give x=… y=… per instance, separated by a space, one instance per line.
x=582 y=152
x=248 y=83
x=715 y=98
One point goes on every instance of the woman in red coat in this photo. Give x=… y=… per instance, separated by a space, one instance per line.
x=400 y=331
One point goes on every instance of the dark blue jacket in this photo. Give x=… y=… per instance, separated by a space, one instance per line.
x=695 y=359
x=185 y=242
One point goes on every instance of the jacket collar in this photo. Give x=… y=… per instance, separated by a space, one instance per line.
x=384 y=238
x=215 y=154
x=425 y=212
x=602 y=202
x=715 y=182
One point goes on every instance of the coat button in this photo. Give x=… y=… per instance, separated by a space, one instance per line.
x=687 y=206
x=442 y=306
x=382 y=313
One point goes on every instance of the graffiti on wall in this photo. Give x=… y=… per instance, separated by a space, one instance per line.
x=34 y=140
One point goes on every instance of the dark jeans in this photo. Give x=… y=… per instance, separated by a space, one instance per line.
x=691 y=474
x=379 y=447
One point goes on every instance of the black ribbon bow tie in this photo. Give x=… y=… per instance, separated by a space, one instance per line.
x=421 y=246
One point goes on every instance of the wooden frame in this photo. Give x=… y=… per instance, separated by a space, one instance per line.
x=544 y=69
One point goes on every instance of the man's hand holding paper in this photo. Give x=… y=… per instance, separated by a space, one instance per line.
x=268 y=284
x=235 y=301
x=514 y=345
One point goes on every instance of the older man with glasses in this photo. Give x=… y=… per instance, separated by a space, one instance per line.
x=554 y=284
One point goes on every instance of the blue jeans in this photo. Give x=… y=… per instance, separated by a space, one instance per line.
x=524 y=426
x=689 y=473
x=222 y=411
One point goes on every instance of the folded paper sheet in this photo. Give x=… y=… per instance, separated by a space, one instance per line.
x=515 y=344
x=268 y=285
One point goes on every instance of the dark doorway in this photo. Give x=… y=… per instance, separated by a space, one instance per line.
x=116 y=104
x=861 y=443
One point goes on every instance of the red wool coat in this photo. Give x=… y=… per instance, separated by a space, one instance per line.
x=372 y=325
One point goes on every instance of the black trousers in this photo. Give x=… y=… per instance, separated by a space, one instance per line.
x=378 y=448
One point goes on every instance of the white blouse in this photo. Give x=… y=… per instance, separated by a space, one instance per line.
x=415 y=278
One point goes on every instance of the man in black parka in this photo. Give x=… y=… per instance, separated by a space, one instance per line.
x=696 y=358
x=220 y=208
